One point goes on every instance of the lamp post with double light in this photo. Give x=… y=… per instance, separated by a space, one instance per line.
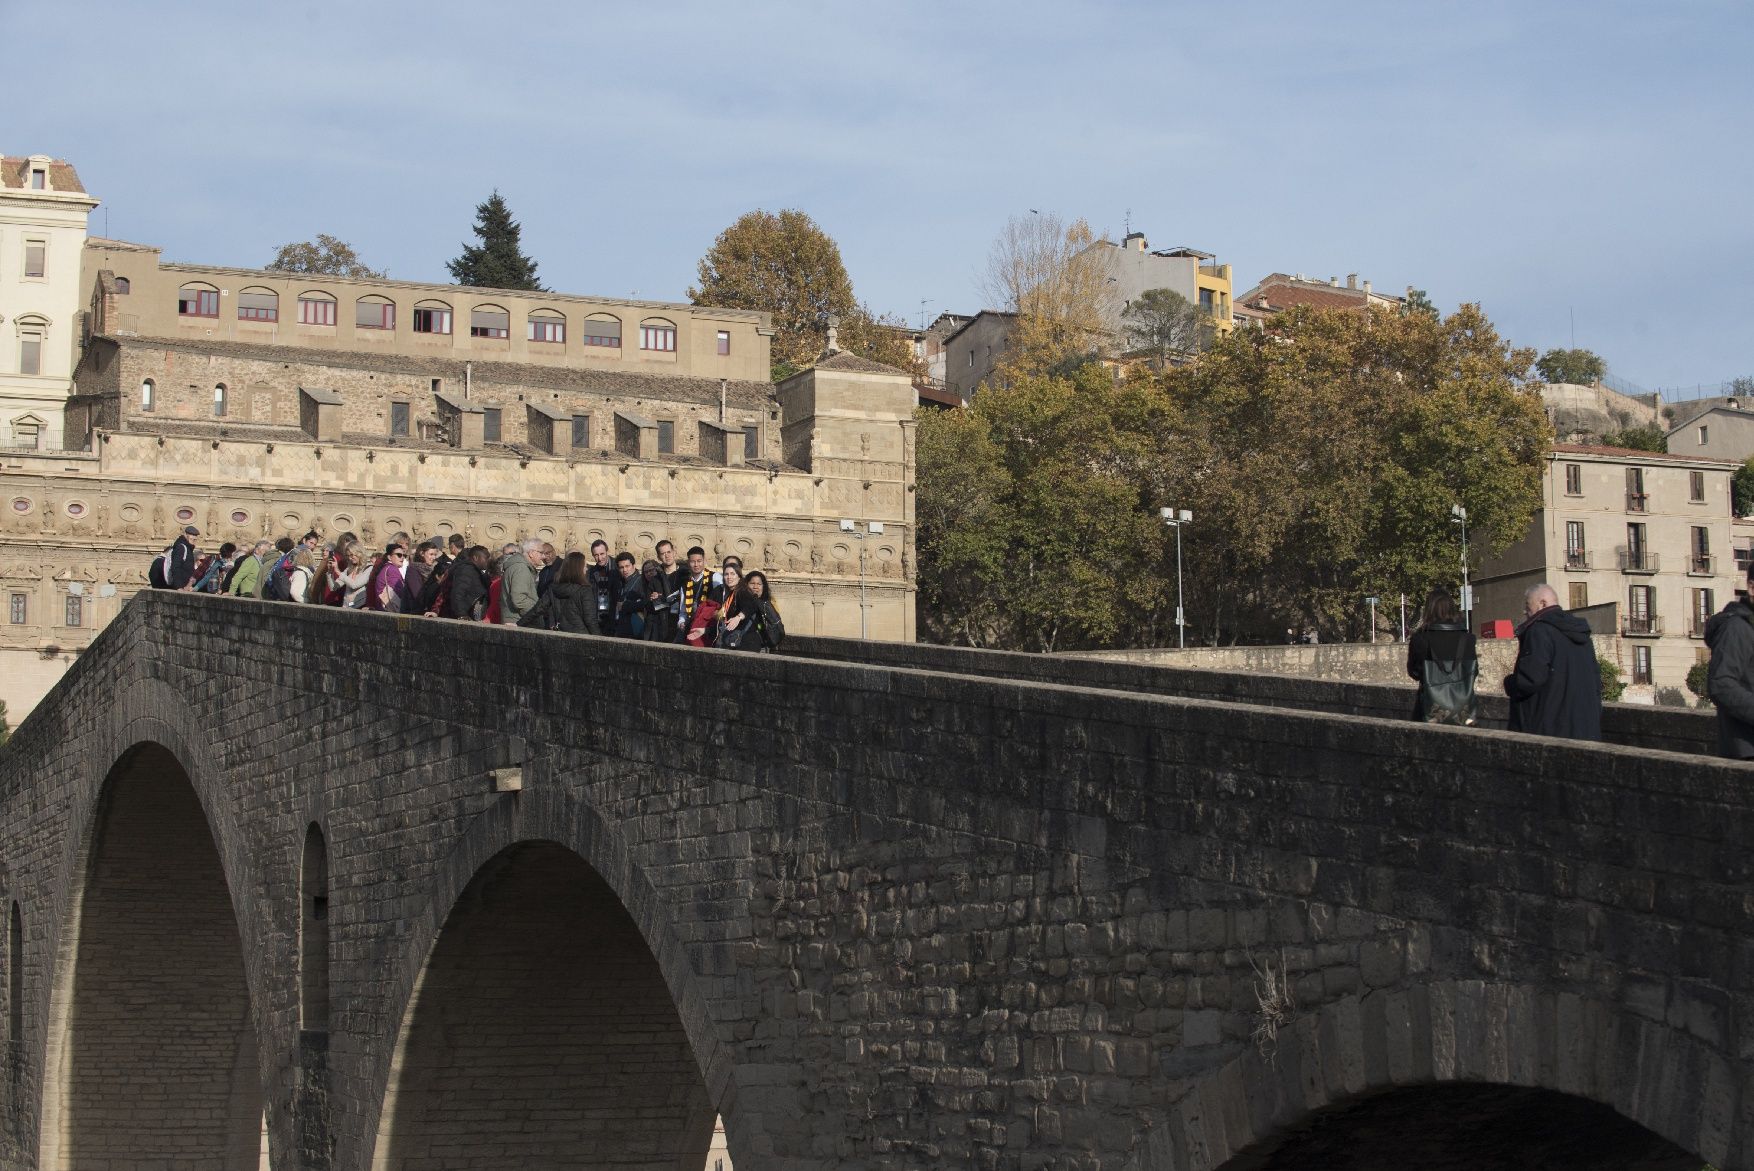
x=872 y=528
x=1175 y=518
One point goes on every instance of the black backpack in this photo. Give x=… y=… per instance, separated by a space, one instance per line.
x=155 y=575
x=1448 y=690
x=278 y=587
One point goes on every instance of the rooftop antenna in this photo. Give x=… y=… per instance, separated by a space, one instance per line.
x=923 y=303
x=1127 y=221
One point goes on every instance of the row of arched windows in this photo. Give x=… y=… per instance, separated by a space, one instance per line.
x=149 y=397
x=548 y=326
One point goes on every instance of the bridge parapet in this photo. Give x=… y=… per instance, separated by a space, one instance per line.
x=903 y=916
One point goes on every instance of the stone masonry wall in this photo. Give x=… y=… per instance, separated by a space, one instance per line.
x=909 y=918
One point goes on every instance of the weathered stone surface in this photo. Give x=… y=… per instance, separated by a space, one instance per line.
x=878 y=917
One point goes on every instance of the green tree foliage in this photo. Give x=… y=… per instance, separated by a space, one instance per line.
x=1165 y=325
x=324 y=256
x=1418 y=302
x=783 y=264
x=497 y=261
x=1613 y=683
x=1579 y=367
x=1742 y=488
x=5 y=728
x=1646 y=438
x=1320 y=457
x=1697 y=682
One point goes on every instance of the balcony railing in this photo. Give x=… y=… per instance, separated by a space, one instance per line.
x=1637 y=561
x=1577 y=559
x=1701 y=565
x=1637 y=501
x=1642 y=626
x=1696 y=625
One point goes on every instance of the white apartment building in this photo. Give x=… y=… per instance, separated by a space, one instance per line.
x=43 y=214
x=1647 y=534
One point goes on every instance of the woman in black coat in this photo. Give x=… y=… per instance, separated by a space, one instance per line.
x=570 y=605
x=1442 y=637
x=752 y=623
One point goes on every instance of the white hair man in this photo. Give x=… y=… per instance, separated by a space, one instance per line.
x=518 y=596
x=1556 y=689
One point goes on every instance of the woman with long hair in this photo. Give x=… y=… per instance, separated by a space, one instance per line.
x=1442 y=657
x=570 y=605
x=753 y=623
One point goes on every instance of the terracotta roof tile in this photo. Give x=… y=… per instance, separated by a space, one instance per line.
x=14 y=172
x=1644 y=456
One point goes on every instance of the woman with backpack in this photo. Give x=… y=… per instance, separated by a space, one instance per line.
x=570 y=605
x=1442 y=657
x=752 y=621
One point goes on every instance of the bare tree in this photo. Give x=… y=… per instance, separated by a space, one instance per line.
x=1051 y=275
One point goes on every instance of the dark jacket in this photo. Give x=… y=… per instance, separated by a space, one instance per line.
x=468 y=586
x=1445 y=642
x=630 y=608
x=606 y=581
x=178 y=565
x=567 y=606
x=763 y=631
x=1556 y=689
x=1730 y=679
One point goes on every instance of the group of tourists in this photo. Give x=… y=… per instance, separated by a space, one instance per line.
x=1555 y=688
x=525 y=583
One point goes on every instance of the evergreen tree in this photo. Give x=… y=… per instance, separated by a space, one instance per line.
x=498 y=261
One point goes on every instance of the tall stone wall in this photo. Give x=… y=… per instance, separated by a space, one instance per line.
x=904 y=918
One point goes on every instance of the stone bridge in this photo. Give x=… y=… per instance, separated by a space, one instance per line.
x=295 y=888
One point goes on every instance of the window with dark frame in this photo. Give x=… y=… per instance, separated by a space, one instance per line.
x=1574 y=479
x=39 y=179
x=258 y=305
x=547 y=329
x=490 y=424
x=147 y=396
x=602 y=331
x=193 y=302
x=1641 y=672
x=19 y=609
x=36 y=257
x=724 y=343
x=398 y=418
x=75 y=610
x=752 y=441
x=219 y=401
x=581 y=432
x=316 y=311
x=494 y=323
x=667 y=436
x=1576 y=551
x=432 y=319
x=124 y=286
x=1704 y=606
x=370 y=314
x=438 y=386
x=1696 y=487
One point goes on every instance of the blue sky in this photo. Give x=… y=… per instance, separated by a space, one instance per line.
x=1544 y=159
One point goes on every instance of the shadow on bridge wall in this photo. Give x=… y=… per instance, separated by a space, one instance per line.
x=878 y=917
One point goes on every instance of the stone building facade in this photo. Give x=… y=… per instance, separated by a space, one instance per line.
x=220 y=398
x=1649 y=533
x=43 y=212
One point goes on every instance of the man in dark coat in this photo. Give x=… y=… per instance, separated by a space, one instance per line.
x=178 y=562
x=1556 y=689
x=1730 y=678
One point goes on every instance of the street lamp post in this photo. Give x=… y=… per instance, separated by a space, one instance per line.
x=1175 y=519
x=872 y=529
x=1460 y=515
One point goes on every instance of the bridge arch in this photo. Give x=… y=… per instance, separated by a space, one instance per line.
x=543 y=930
x=153 y=902
x=1500 y=1051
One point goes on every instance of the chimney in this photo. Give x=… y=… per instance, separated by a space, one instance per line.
x=1351 y=280
x=1367 y=288
x=1134 y=241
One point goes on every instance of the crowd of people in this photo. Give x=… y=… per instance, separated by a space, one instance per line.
x=525 y=583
